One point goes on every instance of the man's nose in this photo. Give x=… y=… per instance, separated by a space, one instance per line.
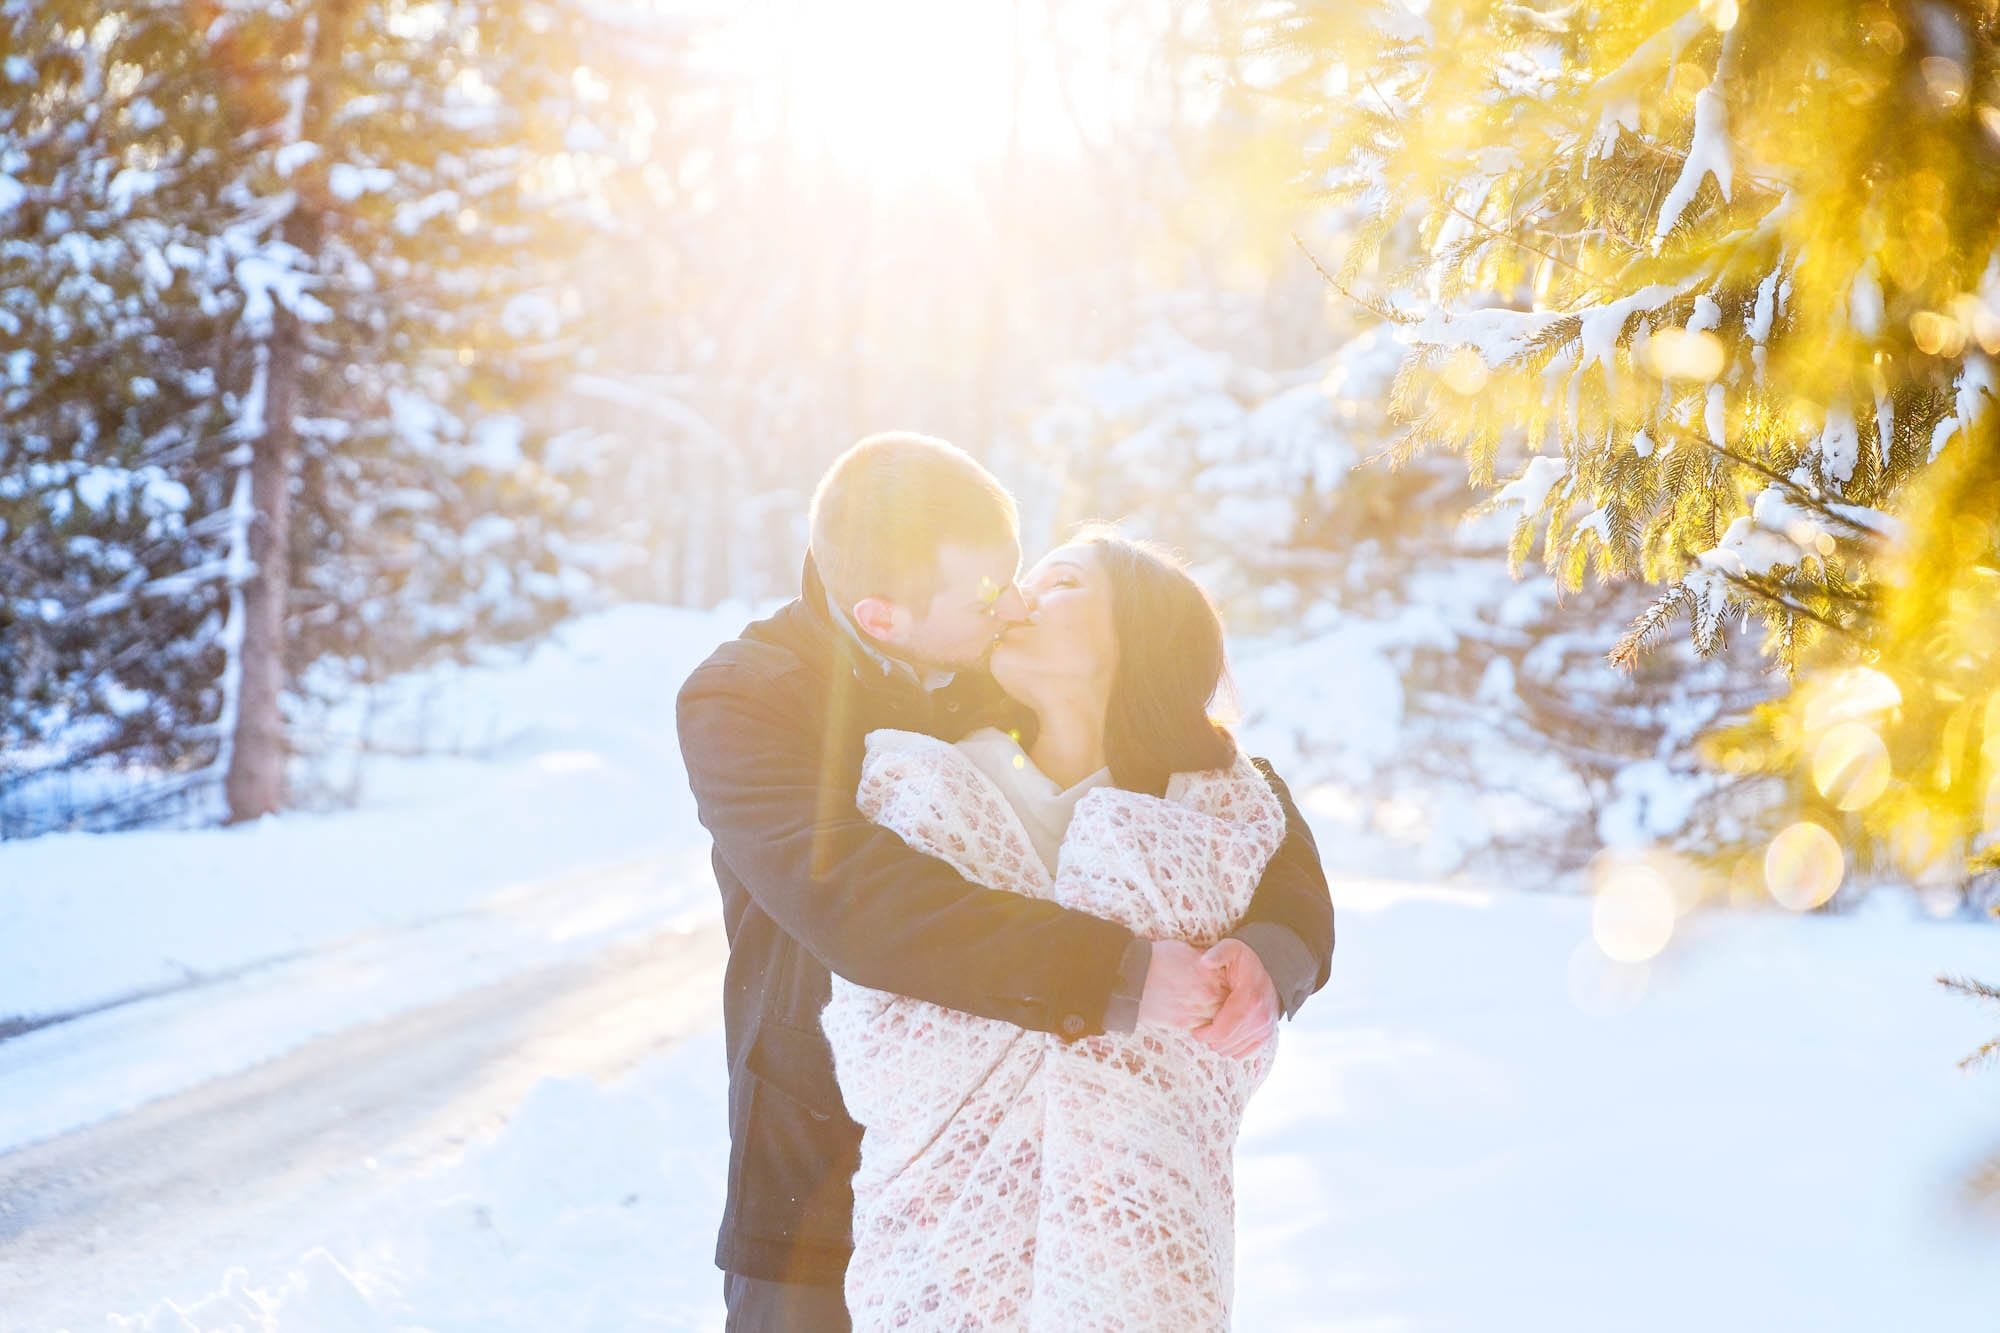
x=1013 y=606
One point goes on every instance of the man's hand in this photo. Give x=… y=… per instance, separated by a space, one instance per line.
x=1250 y=1014
x=1181 y=991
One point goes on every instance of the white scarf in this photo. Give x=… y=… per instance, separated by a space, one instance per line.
x=1010 y=1180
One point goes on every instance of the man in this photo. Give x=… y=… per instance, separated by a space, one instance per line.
x=909 y=579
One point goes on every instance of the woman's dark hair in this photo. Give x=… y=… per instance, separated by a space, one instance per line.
x=1170 y=666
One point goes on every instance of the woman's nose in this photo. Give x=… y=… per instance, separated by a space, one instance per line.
x=1013 y=606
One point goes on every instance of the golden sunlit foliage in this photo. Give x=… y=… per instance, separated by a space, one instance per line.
x=1718 y=286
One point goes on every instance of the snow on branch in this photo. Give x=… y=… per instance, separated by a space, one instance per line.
x=1531 y=489
x=1975 y=387
x=1708 y=149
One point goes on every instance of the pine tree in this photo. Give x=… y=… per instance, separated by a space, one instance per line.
x=111 y=503
x=289 y=286
x=1718 y=284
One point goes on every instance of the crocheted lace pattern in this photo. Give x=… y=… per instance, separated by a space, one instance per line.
x=1009 y=1179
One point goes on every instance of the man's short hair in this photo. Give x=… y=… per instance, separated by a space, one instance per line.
x=885 y=506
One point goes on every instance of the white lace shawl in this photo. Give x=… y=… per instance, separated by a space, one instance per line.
x=1011 y=1180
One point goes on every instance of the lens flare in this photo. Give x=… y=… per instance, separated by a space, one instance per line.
x=1852 y=695
x=1465 y=373
x=1803 y=866
x=1850 y=765
x=1677 y=354
x=1633 y=916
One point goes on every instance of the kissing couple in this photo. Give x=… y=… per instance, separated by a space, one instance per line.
x=1011 y=922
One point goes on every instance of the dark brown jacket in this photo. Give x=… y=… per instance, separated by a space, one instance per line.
x=771 y=726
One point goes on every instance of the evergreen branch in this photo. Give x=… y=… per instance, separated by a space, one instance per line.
x=1381 y=312
x=1966 y=986
x=1777 y=598
x=1983 y=1055
x=1591 y=284
x=1794 y=492
x=1648 y=627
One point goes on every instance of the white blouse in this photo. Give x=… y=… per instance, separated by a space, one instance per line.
x=1044 y=808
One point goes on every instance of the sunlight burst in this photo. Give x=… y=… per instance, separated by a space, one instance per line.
x=895 y=91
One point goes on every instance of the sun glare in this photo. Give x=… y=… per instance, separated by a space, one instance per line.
x=896 y=90
x=906 y=93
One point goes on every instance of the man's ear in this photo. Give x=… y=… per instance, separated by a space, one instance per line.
x=880 y=618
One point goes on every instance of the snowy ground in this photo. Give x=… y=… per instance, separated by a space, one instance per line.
x=559 y=819
x=1479 y=1125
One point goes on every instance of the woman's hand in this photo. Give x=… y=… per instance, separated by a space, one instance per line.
x=1249 y=1015
x=1181 y=991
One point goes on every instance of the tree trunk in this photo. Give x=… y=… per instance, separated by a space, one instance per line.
x=255 y=783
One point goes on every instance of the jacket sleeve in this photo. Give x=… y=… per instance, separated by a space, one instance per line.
x=859 y=899
x=1290 y=921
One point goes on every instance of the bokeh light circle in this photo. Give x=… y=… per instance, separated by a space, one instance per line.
x=1850 y=765
x=1803 y=866
x=1633 y=915
x=1849 y=695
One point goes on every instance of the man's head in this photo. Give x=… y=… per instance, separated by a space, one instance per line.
x=920 y=546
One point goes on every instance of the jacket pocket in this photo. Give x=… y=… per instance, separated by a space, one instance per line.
x=801 y=1149
x=798 y=1065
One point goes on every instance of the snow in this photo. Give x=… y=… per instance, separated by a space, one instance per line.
x=530 y=315
x=1746 y=549
x=1765 y=308
x=1496 y=333
x=1481 y=1124
x=577 y=765
x=1497 y=684
x=1650 y=803
x=413 y=214
x=1871 y=520
x=271 y=278
x=1620 y=112
x=349 y=182
x=1601 y=326
x=129 y=185
x=372 y=967
x=290 y=157
x=496 y=443
x=1715 y=415
x=418 y=420
x=1840 y=443
x=1707 y=155
x=1342 y=696
x=1597 y=522
x=1885 y=427
x=1531 y=489
x=1974 y=389
x=1864 y=302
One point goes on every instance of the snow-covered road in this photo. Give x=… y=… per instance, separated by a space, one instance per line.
x=305 y=1149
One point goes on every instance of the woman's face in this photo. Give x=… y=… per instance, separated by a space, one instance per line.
x=1068 y=642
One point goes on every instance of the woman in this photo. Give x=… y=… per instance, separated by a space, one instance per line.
x=1010 y=1180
